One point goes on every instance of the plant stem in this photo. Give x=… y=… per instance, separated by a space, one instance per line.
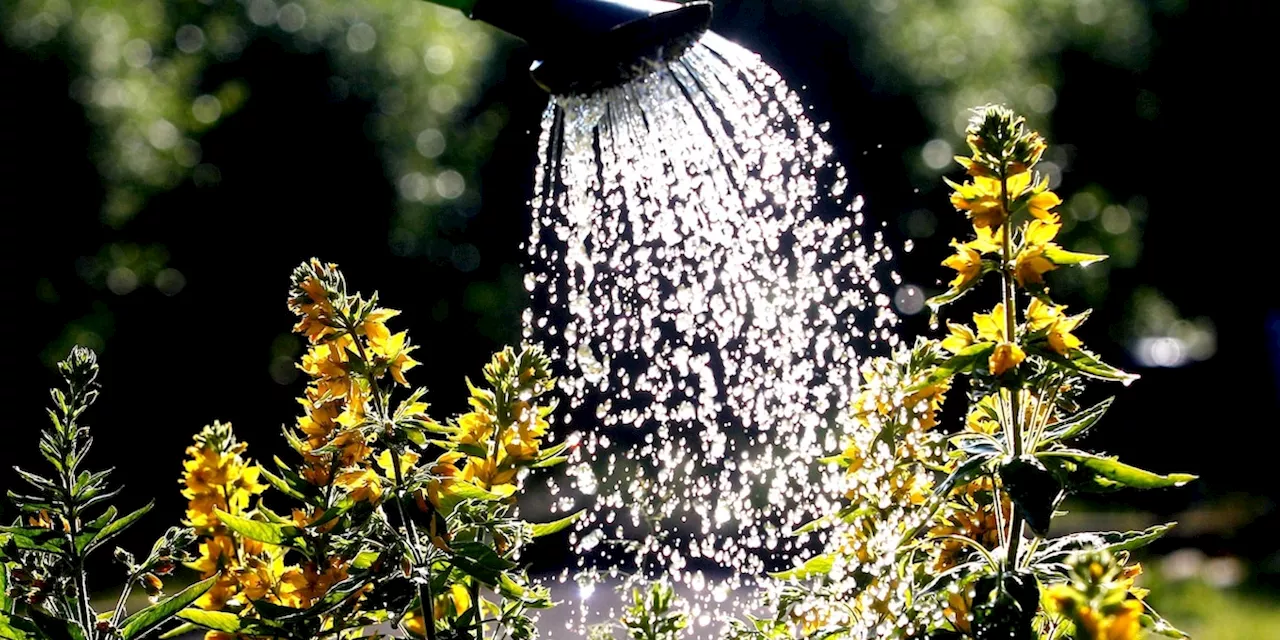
x=424 y=589
x=1013 y=429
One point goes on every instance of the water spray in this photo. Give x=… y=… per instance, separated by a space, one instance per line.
x=583 y=46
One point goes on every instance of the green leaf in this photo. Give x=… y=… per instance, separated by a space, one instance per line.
x=1155 y=623
x=480 y=562
x=549 y=462
x=1112 y=473
x=35 y=539
x=51 y=628
x=845 y=514
x=1085 y=363
x=267 y=532
x=116 y=527
x=816 y=566
x=548 y=528
x=180 y=630
x=962 y=362
x=1058 y=549
x=365 y=559
x=1078 y=423
x=216 y=620
x=459 y=491
x=15 y=627
x=151 y=617
x=282 y=485
x=1034 y=491
x=1061 y=257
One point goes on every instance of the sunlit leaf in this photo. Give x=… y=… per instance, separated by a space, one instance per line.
x=548 y=528
x=267 y=532
x=149 y=618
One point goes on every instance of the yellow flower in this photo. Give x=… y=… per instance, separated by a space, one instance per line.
x=374 y=326
x=966 y=261
x=1057 y=325
x=961 y=337
x=980 y=199
x=488 y=474
x=1005 y=357
x=311 y=302
x=991 y=325
x=1040 y=204
x=301 y=587
x=407 y=460
x=979 y=420
x=394 y=354
x=1031 y=263
x=363 y=485
x=474 y=428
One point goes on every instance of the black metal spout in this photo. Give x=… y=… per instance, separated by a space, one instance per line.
x=584 y=46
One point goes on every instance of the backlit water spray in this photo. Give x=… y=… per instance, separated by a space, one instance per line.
x=698 y=265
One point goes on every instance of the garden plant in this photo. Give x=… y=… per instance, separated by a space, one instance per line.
x=388 y=521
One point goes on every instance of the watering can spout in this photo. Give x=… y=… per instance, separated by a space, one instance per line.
x=587 y=45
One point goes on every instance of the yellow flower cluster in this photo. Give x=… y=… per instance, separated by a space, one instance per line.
x=1100 y=599
x=351 y=349
x=1003 y=185
x=502 y=432
x=217 y=477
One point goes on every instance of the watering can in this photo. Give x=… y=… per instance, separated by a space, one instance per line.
x=583 y=46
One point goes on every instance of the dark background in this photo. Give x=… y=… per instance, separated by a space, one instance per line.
x=300 y=171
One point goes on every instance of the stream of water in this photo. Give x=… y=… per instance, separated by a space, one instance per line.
x=699 y=266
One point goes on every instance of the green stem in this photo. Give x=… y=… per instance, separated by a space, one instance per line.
x=424 y=589
x=1013 y=429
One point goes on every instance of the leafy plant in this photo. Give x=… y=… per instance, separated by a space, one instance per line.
x=947 y=535
x=396 y=519
x=67 y=518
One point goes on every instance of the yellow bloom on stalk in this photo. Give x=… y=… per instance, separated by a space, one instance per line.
x=980 y=198
x=394 y=353
x=1006 y=354
x=447 y=471
x=300 y=587
x=216 y=476
x=961 y=338
x=1041 y=204
x=967 y=263
x=475 y=428
x=979 y=420
x=522 y=441
x=1122 y=621
x=407 y=460
x=363 y=485
x=1031 y=263
x=1057 y=325
x=487 y=474
x=374 y=326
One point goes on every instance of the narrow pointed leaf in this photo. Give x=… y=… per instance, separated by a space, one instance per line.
x=1113 y=471
x=116 y=527
x=151 y=617
x=1077 y=424
x=548 y=528
x=267 y=532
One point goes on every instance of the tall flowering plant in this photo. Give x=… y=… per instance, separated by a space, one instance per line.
x=946 y=532
x=66 y=517
x=397 y=520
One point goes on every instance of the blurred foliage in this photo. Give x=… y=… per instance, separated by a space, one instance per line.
x=141 y=65
x=954 y=53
